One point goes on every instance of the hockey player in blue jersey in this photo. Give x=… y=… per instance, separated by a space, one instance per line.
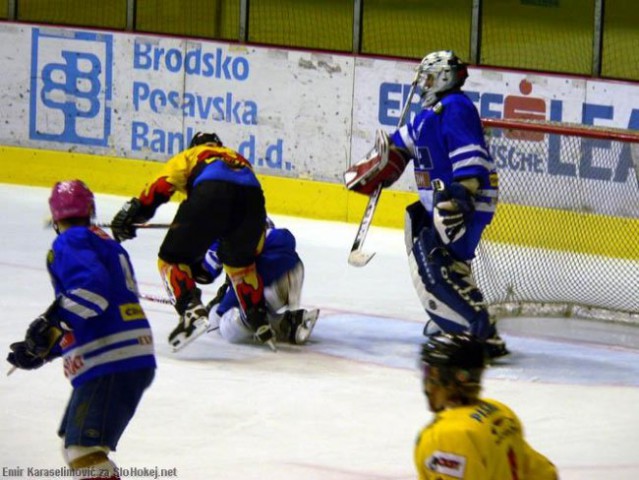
x=282 y=271
x=457 y=184
x=96 y=324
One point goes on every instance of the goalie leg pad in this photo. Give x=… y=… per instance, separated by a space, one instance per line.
x=232 y=327
x=286 y=291
x=446 y=288
x=415 y=220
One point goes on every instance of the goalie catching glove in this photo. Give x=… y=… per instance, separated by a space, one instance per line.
x=454 y=207
x=383 y=165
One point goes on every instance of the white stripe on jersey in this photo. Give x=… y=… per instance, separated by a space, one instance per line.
x=76 y=357
x=77 y=309
x=473 y=161
x=91 y=297
x=466 y=149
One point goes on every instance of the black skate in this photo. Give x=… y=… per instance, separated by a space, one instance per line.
x=256 y=319
x=495 y=347
x=296 y=326
x=193 y=323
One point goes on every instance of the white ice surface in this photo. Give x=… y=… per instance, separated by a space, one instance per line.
x=345 y=407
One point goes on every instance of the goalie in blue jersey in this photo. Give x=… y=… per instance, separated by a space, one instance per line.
x=98 y=327
x=457 y=184
x=282 y=272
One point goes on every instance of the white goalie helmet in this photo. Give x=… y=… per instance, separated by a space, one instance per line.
x=439 y=72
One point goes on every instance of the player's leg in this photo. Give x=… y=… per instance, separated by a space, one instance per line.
x=200 y=219
x=238 y=251
x=96 y=416
x=445 y=285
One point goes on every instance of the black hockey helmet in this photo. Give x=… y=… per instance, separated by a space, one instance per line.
x=200 y=138
x=453 y=351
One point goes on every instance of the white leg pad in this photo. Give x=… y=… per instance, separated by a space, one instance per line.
x=286 y=291
x=232 y=328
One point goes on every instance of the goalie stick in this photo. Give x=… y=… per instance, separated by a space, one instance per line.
x=357 y=257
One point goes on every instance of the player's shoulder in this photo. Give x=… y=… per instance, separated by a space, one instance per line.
x=497 y=406
x=456 y=101
x=77 y=239
x=72 y=237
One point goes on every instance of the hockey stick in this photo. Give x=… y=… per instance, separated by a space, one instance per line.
x=155 y=299
x=357 y=257
x=139 y=225
x=49 y=224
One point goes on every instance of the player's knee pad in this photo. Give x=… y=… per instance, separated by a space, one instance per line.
x=447 y=289
x=90 y=462
x=286 y=291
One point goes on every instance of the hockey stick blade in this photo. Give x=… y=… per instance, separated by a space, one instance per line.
x=358 y=258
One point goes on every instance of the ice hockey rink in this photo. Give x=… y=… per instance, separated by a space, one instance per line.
x=347 y=406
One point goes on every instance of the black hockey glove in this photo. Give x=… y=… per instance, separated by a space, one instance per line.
x=123 y=224
x=39 y=345
x=22 y=357
x=454 y=207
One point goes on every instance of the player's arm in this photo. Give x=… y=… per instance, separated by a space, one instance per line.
x=174 y=177
x=383 y=165
x=448 y=452
x=83 y=285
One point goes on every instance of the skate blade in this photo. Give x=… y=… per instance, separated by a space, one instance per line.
x=181 y=341
x=271 y=345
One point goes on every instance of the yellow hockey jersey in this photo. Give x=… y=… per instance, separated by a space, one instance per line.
x=189 y=167
x=484 y=441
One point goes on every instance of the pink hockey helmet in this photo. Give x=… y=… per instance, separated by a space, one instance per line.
x=71 y=199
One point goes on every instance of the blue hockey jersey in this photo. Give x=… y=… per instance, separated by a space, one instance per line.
x=447 y=143
x=97 y=301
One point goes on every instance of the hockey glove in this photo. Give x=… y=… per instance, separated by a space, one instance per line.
x=123 y=224
x=454 y=207
x=22 y=357
x=39 y=346
x=384 y=164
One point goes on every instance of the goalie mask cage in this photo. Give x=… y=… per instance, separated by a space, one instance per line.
x=565 y=238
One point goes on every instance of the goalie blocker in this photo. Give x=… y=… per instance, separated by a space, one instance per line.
x=383 y=165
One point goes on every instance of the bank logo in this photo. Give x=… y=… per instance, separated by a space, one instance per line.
x=70 y=86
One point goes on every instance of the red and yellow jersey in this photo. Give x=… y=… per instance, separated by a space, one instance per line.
x=482 y=441
x=189 y=167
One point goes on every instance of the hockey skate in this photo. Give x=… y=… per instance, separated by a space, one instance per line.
x=496 y=347
x=193 y=323
x=296 y=326
x=263 y=332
